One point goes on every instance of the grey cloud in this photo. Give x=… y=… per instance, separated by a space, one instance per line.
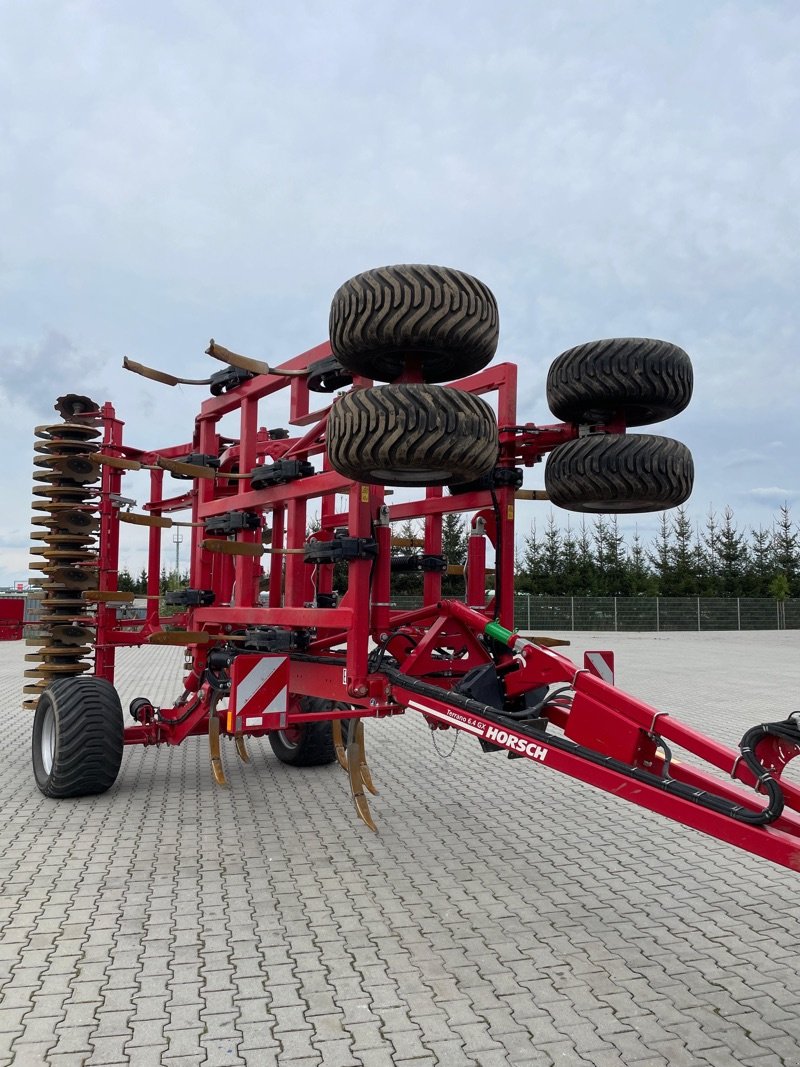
x=36 y=373
x=773 y=495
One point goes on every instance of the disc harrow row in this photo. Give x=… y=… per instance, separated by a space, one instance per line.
x=65 y=549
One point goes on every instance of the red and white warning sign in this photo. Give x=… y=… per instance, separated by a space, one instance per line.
x=600 y=664
x=259 y=693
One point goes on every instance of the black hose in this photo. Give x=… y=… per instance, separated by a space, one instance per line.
x=718 y=804
x=787 y=730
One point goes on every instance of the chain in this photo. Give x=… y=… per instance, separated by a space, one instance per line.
x=439 y=752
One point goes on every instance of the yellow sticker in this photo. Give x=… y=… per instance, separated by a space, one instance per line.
x=510 y=513
x=365 y=494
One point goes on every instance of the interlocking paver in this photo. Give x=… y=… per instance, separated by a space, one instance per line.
x=503 y=916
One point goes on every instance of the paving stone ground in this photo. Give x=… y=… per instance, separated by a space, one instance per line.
x=503 y=914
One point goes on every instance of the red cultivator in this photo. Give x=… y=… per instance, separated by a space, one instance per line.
x=292 y=634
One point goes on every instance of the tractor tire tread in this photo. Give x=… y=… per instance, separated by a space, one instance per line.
x=619 y=474
x=444 y=317
x=408 y=428
x=646 y=379
x=90 y=737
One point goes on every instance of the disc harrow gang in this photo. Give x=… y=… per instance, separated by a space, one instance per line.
x=66 y=522
x=292 y=633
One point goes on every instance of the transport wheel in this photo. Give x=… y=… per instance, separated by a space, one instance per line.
x=78 y=737
x=619 y=473
x=442 y=319
x=644 y=380
x=411 y=435
x=305 y=744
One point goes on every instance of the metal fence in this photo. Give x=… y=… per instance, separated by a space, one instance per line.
x=645 y=613
x=620 y=613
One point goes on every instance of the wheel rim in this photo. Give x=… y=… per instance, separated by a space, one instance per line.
x=291 y=736
x=422 y=476
x=48 y=740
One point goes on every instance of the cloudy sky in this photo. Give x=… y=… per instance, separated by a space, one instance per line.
x=172 y=171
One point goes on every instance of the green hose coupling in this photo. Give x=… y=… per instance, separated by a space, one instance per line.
x=499 y=633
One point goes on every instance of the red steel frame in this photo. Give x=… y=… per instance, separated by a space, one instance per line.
x=620 y=732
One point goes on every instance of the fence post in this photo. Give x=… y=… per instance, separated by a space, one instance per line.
x=778 y=612
x=698 y=614
x=739 y=612
x=615 y=614
x=572 y=611
x=658 y=616
x=529 y=611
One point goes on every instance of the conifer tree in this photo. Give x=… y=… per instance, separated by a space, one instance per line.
x=531 y=567
x=552 y=558
x=683 y=578
x=660 y=555
x=640 y=578
x=586 y=562
x=785 y=540
x=125 y=582
x=570 y=561
x=610 y=555
x=711 y=553
x=761 y=569
x=733 y=555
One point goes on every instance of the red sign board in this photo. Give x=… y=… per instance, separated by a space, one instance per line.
x=259 y=694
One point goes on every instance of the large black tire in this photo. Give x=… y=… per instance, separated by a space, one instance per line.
x=78 y=737
x=644 y=380
x=411 y=435
x=443 y=319
x=619 y=473
x=308 y=744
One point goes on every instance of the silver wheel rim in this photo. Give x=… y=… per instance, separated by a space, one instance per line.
x=48 y=741
x=286 y=741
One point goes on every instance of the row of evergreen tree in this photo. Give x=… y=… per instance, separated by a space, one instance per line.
x=715 y=559
x=168 y=581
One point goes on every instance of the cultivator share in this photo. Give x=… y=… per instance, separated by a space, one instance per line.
x=291 y=633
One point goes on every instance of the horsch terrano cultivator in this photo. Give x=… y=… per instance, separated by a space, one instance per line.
x=274 y=649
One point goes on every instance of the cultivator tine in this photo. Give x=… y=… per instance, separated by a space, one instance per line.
x=160 y=375
x=255 y=366
x=241 y=749
x=186 y=470
x=366 y=774
x=233 y=548
x=214 y=750
x=339 y=727
x=179 y=637
x=355 y=770
x=117 y=462
x=134 y=518
x=108 y=596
